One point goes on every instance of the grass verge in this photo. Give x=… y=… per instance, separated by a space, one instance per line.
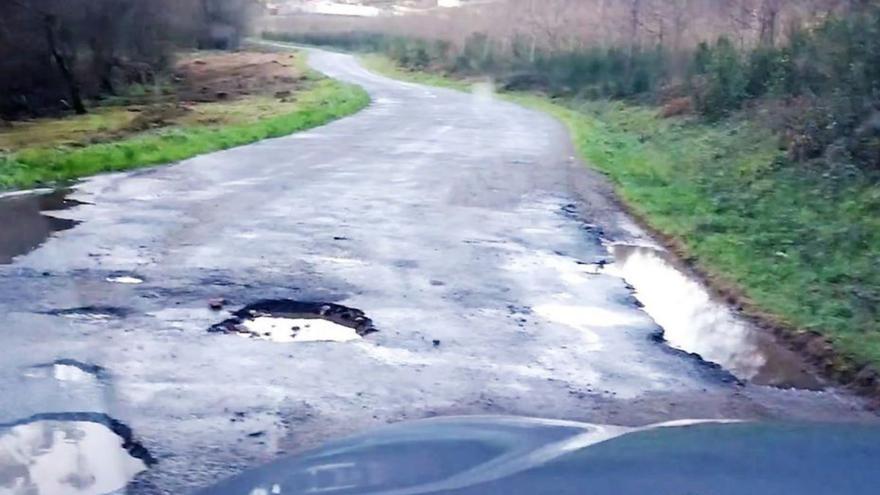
x=798 y=246
x=322 y=101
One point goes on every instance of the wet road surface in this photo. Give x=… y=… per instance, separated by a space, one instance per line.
x=693 y=320
x=460 y=225
x=27 y=220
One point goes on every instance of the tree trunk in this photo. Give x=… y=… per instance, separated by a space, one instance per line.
x=61 y=61
x=634 y=21
x=533 y=47
x=769 y=21
x=102 y=65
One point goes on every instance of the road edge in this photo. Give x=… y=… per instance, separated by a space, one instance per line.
x=860 y=377
x=342 y=100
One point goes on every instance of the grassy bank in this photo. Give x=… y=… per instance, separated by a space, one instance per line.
x=59 y=150
x=801 y=245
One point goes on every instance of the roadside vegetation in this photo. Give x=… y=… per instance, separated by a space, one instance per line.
x=105 y=85
x=753 y=149
x=220 y=101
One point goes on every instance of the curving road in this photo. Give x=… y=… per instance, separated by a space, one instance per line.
x=444 y=216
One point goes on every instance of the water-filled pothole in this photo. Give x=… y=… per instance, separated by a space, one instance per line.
x=694 y=321
x=69 y=453
x=293 y=321
x=67 y=370
x=27 y=223
x=91 y=313
x=125 y=278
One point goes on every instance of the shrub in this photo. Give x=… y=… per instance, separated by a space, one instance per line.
x=725 y=81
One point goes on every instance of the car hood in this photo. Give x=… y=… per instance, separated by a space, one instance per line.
x=503 y=455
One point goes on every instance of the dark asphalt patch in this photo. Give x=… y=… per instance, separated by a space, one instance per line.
x=27 y=223
x=87 y=453
x=286 y=320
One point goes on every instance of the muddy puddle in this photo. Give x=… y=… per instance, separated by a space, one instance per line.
x=27 y=221
x=286 y=321
x=695 y=322
x=69 y=454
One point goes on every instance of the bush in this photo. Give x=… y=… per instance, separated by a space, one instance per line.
x=725 y=83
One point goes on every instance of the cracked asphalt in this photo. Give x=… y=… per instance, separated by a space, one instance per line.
x=444 y=216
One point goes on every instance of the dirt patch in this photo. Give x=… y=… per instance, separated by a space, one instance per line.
x=230 y=76
x=205 y=89
x=293 y=321
x=154 y=117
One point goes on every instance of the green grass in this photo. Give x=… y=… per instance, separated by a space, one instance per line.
x=324 y=100
x=71 y=129
x=802 y=246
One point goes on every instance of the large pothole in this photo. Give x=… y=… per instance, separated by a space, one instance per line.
x=293 y=321
x=69 y=454
x=694 y=321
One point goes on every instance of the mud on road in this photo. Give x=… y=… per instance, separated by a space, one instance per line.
x=458 y=225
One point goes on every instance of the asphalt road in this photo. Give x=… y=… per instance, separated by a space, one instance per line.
x=442 y=215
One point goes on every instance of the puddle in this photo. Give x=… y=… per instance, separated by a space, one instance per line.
x=288 y=321
x=67 y=370
x=62 y=373
x=296 y=330
x=125 y=279
x=69 y=454
x=27 y=223
x=99 y=313
x=695 y=322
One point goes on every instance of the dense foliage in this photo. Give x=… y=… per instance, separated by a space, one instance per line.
x=821 y=86
x=59 y=54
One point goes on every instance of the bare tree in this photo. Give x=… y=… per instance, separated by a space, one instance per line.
x=46 y=16
x=768 y=20
x=635 y=20
x=61 y=53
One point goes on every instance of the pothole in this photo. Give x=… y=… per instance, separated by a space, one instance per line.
x=91 y=313
x=67 y=370
x=293 y=321
x=27 y=221
x=125 y=278
x=69 y=454
x=696 y=322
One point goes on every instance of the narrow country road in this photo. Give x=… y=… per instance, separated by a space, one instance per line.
x=460 y=224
